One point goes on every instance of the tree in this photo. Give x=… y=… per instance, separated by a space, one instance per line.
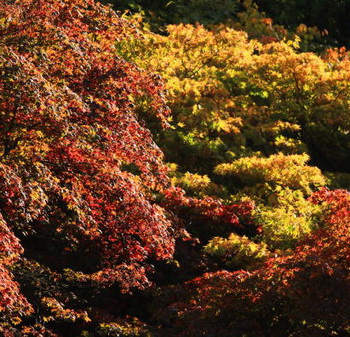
x=79 y=169
x=304 y=293
x=160 y=13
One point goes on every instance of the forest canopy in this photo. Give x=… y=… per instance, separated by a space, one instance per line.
x=174 y=168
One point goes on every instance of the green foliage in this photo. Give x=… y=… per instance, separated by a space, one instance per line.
x=238 y=251
x=324 y=14
x=287 y=218
x=158 y=14
x=338 y=180
x=261 y=26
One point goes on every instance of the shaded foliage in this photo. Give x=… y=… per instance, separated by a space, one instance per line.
x=324 y=14
x=304 y=293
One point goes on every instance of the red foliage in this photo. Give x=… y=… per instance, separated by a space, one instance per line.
x=212 y=209
x=306 y=293
x=69 y=133
x=11 y=300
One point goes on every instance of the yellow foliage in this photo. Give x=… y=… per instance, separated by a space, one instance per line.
x=281 y=170
x=199 y=185
x=131 y=328
x=237 y=251
x=221 y=83
x=57 y=310
x=253 y=101
x=287 y=219
x=189 y=60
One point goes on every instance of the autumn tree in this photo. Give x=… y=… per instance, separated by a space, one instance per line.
x=79 y=169
x=304 y=293
x=251 y=119
x=89 y=209
x=233 y=96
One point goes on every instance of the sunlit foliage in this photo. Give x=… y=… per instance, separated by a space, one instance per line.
x=69 y=136
x=233 y=228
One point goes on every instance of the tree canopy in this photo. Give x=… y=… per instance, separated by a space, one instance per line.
x=186 y=181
